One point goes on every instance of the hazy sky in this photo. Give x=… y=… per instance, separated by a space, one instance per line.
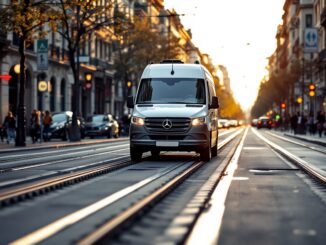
x=239 y=34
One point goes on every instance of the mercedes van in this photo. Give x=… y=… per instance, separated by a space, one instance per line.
x=175 y=109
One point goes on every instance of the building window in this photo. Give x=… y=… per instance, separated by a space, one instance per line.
x=308 y=20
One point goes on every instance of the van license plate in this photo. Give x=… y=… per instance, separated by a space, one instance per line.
x=167 y=143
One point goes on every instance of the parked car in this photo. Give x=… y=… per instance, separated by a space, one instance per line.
x=81 y=125
x=264 y=122
x=254 y=122
x=61 y=123
x=102 y=125
x=224 y=123
x=233 y=123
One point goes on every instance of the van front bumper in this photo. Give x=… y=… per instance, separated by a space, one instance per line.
x=195 y=139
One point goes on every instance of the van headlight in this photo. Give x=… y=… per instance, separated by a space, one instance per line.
x=198 y=121
x=138 y=121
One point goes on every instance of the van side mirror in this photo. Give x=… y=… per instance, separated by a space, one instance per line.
x=130 y=102
x=214 y=104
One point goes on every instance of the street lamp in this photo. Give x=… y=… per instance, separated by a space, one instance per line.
x=17 y=69
x=21 y=110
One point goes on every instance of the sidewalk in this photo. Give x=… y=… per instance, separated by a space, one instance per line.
x=307 y=137
x=54 y=143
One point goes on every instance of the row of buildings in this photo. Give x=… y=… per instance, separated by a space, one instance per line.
x=301 y=51
x=107 y=94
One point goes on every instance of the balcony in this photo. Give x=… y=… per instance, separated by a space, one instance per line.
x=323 y=17
x=322 y=55
x=100 y=63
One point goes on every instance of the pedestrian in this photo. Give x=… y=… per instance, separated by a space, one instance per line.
x=47 y=121
x=10 y=125
x=2 y=132
x=294 y=123
x=311 y=123
x=35 y=125
x=302 y=120
x=320 y=122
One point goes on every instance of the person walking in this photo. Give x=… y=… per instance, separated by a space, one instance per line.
x=10 y=126
x=294 y=123
x=35 y=125
x=47 y=121
x=320 y=122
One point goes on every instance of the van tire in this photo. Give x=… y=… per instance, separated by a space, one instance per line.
x=214 y=150
x=155 y=154
x=206 y=154
x=135 y=154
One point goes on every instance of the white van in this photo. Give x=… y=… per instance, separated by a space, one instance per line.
x=175 y=109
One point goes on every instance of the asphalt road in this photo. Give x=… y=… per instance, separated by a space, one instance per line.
x=269 y=200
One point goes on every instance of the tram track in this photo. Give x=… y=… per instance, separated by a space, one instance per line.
x=32 y=186
x=110 y=229
x=52 y=158
x=314 y=172
x=48 y=231
x=317 y=149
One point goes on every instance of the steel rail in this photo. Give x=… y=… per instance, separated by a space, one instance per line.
x=132 y=211
x=33 y=190
x=47 y=185
x=47 y=231
x=298 y=143
x=26 y=154
x=316 y=173
x=72 y=158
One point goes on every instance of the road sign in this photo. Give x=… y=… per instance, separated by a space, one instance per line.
x=42 y=54
x=311 y=40
x=42 y=86
x=83 y=59
x=5 y=77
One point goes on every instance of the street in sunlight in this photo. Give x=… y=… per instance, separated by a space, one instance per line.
x=162 y=122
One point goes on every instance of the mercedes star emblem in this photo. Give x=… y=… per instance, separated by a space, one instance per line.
x=167 y=124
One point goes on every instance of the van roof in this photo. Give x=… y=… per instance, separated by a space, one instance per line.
x=180 y=70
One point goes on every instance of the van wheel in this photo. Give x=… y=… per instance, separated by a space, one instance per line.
x=155 y=154
x=135 y=154
x=206 y=154
x=214 y=149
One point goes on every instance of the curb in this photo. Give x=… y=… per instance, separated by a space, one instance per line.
x=318 y=142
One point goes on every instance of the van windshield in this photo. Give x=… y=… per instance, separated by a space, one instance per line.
x=171 y=91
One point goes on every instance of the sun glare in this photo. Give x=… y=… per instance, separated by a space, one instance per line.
x=237 y=34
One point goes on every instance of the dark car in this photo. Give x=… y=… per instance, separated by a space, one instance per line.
x=264 y=122
x=61 y=123
x=101 y=125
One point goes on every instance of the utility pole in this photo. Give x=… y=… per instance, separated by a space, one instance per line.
x=302 y=86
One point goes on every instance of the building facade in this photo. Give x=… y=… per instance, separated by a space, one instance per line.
x=97 y=57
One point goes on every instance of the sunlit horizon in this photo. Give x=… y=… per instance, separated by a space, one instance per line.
x=239 y=35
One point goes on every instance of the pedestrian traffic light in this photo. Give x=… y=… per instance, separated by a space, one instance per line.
x=312 y=89
x=88 y=81
x=283 y=105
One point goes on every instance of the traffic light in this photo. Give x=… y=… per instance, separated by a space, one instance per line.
x=299 y=100
x=129 y=84
x=283 y=105
x=312 y=89
x=88 y=81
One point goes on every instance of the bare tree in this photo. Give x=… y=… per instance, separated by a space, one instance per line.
x=24 y=18
x=76 y=21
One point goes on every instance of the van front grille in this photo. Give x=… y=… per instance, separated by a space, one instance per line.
x=167 y=125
